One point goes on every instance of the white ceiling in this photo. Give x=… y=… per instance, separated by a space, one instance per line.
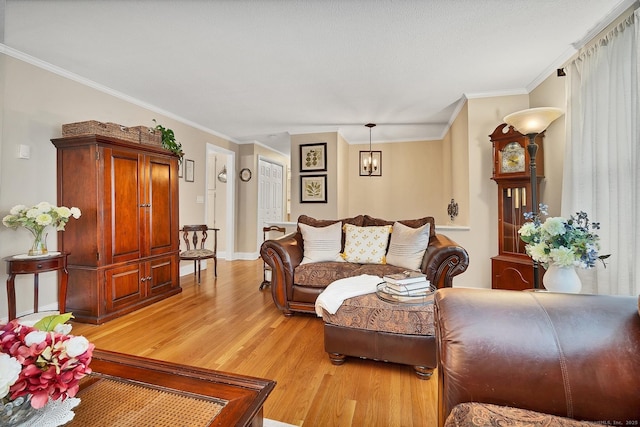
x=255 y=70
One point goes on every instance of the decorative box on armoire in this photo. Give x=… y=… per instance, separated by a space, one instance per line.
x=512 y=268
x=124 y=249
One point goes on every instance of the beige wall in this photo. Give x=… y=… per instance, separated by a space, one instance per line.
x=482 y=116
x=551 y=93
x=457 y=158
x=335 y=166
x=481 y=239
x=246 y=202
x=248 y=231
x=344 y=187
x=35 y=104
x=411 y=185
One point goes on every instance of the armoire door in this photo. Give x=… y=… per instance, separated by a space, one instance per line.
x=124 y=181
x=161 y=223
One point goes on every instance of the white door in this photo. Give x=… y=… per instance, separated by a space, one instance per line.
x=270 y=195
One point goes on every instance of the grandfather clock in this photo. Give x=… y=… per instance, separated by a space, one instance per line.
x=512 y=268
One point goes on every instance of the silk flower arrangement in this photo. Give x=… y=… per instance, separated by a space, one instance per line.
x=560 y=241
x=37 y=218
x=43 y=361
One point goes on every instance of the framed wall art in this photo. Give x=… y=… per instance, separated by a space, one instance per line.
x=313 y=157
x=189 y=170
x=313 y=189
x=180 y=168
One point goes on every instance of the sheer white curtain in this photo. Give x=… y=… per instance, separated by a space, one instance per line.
x=602 y=156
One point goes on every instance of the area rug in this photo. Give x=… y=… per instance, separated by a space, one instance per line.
x=273 y=423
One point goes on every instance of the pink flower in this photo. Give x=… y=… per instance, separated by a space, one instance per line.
x=52 y=363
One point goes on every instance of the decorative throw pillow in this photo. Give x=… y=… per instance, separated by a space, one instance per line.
x=408 y=245
x=366 y=245
x=413 y=223
x=356 y=220
x=321 y=243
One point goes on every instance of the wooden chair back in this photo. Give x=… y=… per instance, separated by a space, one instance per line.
x=198 y=238
x=198 y=235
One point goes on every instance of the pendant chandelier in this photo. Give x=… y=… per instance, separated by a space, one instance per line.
x=370 y=164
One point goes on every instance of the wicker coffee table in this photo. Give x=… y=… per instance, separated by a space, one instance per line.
x=126 y=390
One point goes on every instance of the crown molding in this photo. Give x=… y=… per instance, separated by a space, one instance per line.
x=14 y=53
x=605 y=22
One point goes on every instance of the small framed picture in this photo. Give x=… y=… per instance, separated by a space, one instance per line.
x=313 y=157
x=189 y=170
x=313 y=189
x=371 y=163
x=180 y=168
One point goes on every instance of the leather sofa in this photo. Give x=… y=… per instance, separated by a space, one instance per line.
x=536 y=358
x=295 y=287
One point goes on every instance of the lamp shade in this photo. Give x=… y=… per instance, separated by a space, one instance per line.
x=533 y=120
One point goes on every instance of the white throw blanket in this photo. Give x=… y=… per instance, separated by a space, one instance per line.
x=332 y=297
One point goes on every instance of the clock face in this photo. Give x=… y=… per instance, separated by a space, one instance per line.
x=245 y=174
x=512 y=159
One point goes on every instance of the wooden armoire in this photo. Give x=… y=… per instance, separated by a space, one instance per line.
x=124 y=249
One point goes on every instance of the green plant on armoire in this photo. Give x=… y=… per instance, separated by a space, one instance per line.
x=169 y=140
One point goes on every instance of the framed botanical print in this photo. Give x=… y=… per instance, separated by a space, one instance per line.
x=313 y=157
x=313 y=189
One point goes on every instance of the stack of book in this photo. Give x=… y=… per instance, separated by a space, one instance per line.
x=407 y=283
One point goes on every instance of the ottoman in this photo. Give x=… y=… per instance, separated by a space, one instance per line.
x=367 y=327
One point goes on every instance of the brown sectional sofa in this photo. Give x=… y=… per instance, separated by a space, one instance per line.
x=295 y=287
x=534 y=359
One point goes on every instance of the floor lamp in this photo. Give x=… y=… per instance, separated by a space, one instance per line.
x=532 y=122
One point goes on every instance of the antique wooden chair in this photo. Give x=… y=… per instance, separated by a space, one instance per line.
x=197 y=235
x=265 y=268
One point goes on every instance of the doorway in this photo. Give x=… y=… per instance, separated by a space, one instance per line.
x=220 y=198
x=271 y=203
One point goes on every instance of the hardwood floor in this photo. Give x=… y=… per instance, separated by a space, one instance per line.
x=228 y=324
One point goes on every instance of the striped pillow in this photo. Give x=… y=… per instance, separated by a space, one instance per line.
x=321 y=243
x=408 y=245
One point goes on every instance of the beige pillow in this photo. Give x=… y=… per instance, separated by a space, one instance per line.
x=321 y=243
x=408 y=245
x=366 y=245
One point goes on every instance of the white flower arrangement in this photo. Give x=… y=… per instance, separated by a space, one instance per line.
x=37 y=218
x=560 y=241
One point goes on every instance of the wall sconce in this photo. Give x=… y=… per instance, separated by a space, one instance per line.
x=452 y=210
x=222 y=176
x=370 y=161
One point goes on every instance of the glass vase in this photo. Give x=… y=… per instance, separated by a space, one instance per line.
x=17 y=412
x=39 y=246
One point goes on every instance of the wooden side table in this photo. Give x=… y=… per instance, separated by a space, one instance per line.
x=20 y=264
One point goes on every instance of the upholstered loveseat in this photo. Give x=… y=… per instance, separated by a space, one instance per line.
x=296 y=284
x=534 y=359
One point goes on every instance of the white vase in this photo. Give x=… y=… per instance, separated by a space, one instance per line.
x=562 y=279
